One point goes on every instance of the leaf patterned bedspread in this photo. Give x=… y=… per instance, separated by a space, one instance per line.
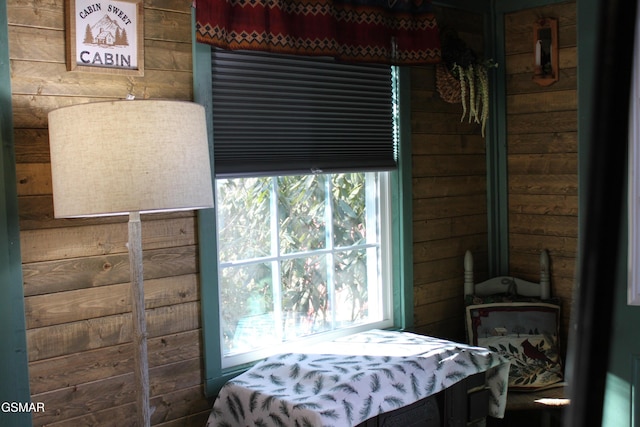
x=352 y=379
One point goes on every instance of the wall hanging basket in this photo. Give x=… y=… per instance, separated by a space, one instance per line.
x=448 y=86
x=462 y=78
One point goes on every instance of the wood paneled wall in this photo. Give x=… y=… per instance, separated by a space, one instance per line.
x=449 y=174
x=76 y=272
x=449 y=193
x=542 y=151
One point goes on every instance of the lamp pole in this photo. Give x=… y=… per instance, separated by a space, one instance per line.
x=138 y=319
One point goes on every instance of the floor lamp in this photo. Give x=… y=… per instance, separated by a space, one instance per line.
x=126 y=158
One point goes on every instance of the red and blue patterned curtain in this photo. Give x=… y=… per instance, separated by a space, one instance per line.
x=399 y=32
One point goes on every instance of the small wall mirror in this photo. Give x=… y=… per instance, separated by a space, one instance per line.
x=545 y=51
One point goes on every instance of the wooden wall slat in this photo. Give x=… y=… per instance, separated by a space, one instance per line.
x=442 y=249
x=440 y=310
x=545 y=142
x=436 y=291
x=441 y=186
x=193 y=420
x=94 y=302
x=541 y=122
x=44 y=14
x=89 y=334
x=36 y=44
x=168 y=56
x=32 y=145
x=442 y=123
x=181 y=404
x=33 y=179
x=48 y=277
x=94 y=397
x=559 y=100
x=69 y=88
x=534 y=243
x=189 y=410
x=543 y=184
x=154 y=84
x=450 y=328
x=36 y=212
x=521 y=21
x=548 y=205
x=542 y=164
x=472 y=164
x=443 y=207
x=442 y=228
x=428 y=143
x=94 y=365
x=95 y=240
x=555 y=225
x=167 y=25
x=31 y=111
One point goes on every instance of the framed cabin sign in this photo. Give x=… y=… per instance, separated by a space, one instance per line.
x=105 y=36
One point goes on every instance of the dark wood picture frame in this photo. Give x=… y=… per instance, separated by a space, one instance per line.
x=105 y=36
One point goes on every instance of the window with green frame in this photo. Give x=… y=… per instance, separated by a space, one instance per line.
x=298 y=251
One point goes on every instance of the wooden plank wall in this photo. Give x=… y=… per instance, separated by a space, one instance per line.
x=449 y=193
x=542 y=144
x=76 y=272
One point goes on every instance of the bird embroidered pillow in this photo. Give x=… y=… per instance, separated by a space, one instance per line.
x=524 y=332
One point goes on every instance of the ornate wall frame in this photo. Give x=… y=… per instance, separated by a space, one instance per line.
x=545 y=51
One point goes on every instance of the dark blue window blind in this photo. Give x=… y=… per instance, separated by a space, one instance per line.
x=279 y=114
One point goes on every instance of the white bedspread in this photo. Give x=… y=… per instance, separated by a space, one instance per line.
x=352 y=379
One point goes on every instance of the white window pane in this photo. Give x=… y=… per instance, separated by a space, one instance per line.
x=349 y=214
x=305 y=299
x=301 y=212
x=352 y=289
x=243 y=206
x=247 y=307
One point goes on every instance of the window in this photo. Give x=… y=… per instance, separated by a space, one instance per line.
x=312 y=242
x=300 y=256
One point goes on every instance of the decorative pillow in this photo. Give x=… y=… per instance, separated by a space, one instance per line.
x=524 y=332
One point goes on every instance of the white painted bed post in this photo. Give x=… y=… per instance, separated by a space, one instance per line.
x=468 y=273
x=545 y=284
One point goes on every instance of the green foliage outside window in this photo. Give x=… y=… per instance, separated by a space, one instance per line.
x=308 y=234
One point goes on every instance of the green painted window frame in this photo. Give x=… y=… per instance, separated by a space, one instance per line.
x=215 y=376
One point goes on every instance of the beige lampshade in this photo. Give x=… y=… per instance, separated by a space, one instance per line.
x=116 y=157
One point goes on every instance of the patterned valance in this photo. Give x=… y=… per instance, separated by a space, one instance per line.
x=379 y=31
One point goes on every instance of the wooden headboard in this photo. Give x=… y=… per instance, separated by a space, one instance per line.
x=504 y=284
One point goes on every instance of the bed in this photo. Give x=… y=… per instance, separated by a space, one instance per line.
x=520 y=320
x=373 y=378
